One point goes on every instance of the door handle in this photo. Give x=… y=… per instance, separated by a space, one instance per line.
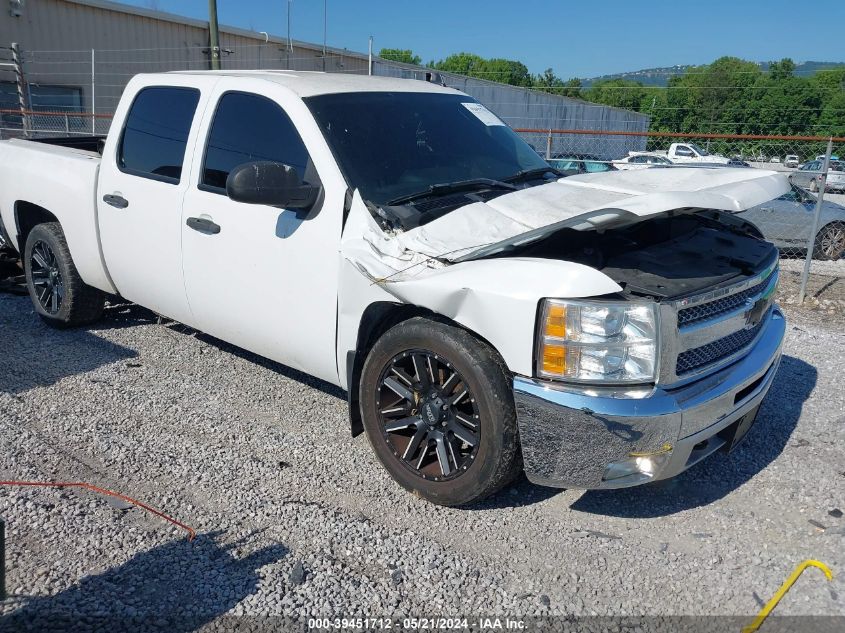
x=116 y=201
x=203 y=225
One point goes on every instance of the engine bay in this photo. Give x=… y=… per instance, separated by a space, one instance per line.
x=664 y=258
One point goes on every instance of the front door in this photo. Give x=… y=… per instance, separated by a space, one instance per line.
x=141 y=186
x=261 y=277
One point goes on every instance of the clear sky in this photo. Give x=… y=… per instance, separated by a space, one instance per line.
x=577 y=38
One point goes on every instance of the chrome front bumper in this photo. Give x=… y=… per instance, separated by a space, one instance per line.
x=571 y=434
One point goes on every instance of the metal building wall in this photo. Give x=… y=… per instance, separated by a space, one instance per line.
x=57 y=36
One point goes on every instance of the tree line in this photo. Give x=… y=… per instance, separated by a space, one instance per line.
x=728 y=96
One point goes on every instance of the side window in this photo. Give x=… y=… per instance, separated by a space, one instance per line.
x=156 y=133
x=246 y=128
x=639 y=159
x=683 y=150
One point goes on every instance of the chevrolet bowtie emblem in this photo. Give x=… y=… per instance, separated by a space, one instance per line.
x=755 y=313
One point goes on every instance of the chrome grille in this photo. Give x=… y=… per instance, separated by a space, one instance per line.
x=699 y=357
x=712 y=309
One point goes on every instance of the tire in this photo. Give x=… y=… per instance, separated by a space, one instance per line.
x=59 y=295
x=472 y=471
x=830 y=242
x=814 y=186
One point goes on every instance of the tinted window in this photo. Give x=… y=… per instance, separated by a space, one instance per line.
x=249 y=128
x=391 y=145
x=156 y=132
x=639 y=159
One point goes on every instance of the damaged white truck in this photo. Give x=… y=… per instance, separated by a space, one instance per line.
x=395 y=238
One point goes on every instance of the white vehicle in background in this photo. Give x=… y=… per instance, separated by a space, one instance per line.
x=791 y=160
x=774 y=159
x=692 y=153
x=642 y=160
x=397 y=239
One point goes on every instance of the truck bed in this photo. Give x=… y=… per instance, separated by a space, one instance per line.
x=84 y=143
x=62 y=179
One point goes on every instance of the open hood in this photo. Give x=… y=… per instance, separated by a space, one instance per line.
x=589 y=201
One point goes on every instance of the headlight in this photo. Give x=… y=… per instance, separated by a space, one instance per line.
x=597 y=341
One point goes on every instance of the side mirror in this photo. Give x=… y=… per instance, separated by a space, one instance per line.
x=270 y=183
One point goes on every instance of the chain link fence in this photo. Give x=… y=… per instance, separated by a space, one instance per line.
x=66 y=93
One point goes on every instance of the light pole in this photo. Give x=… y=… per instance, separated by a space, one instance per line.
x=290 y=43
x=213 y=35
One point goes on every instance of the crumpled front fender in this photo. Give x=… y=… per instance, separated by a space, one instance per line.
x=498 y=298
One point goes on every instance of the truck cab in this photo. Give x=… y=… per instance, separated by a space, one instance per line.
x=395 y=238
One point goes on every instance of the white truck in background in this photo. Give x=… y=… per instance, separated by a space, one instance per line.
x=395 y=238
x=692 y=153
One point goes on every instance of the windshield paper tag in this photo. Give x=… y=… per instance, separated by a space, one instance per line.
x=484 y=115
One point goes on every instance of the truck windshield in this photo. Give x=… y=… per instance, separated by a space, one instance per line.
x=393 y=145
x=699 y=150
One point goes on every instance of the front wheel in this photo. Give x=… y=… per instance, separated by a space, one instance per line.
x=830 y=242
x=438 y=410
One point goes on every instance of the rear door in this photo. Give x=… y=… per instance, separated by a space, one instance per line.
x=141 y=187
x=264 y=278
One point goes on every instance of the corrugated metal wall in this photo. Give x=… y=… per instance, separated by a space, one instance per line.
x=56 y=37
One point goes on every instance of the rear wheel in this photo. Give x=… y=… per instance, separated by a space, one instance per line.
x=59 y=295
x=438 y=410
x=830 y=242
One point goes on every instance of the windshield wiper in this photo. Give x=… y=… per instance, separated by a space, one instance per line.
x=529 y=174
x=451 y=187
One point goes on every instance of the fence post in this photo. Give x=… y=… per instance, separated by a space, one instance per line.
x=811 y=242
x=370 y=57
x=549 y=145
x=67 y=124
x=93 y=94
x=20 y=82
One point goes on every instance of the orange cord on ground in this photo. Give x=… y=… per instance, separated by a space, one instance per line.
x=111 y=493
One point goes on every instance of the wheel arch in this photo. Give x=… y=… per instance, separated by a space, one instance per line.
x=377 y=319
x=28 y=215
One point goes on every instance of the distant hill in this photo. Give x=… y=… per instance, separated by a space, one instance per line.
x=660 y=76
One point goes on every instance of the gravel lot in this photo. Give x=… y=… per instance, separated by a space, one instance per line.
x=296 y=518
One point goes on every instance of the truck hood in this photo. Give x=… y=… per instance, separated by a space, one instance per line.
x=583 y=202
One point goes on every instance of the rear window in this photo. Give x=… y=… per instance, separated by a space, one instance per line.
x=156 y=133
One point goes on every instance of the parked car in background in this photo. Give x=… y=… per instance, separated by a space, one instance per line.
x=774 y=159
x=787 y=221
x=738 y=162
x=572 y=166
x=692 y=153
x=791 y=160
x=809 y=175
x=832 y=157
x=642 y=160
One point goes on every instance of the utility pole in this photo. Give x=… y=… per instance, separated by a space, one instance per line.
x=213 y=35
x=290 y=42
x=325 y=31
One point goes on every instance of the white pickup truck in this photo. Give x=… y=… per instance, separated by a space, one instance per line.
x=395 y=238
x=692 y=153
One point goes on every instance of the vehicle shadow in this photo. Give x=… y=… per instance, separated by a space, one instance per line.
x=719 y=474
x=32 y=354
x=283 y=370
x=177 y=587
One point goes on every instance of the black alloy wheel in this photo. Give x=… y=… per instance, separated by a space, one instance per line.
x=47 y=277
x=428 y=415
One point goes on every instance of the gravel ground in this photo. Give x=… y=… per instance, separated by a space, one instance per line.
x=295 y=518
